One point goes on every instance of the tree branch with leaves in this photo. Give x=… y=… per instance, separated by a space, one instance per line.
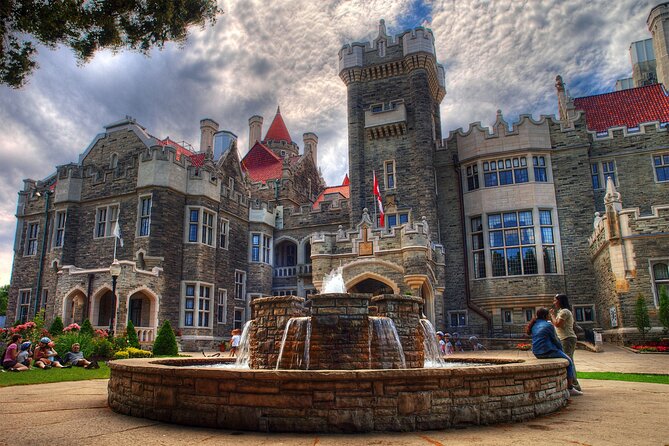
x=91 y=25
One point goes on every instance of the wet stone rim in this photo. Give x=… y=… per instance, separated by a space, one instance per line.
x=337 y=400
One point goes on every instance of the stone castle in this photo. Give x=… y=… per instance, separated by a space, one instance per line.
x=485 y=225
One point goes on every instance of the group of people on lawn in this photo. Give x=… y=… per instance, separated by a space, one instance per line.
x=19 y=356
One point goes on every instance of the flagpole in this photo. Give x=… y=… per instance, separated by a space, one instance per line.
x=376 y=221
x=115 y=241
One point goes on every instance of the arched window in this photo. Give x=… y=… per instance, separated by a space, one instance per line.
x=114 y=161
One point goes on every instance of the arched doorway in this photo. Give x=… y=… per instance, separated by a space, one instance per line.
x=428 y=302
x=73 y=308
x=285 y=259
x=142 y=312
x=371 y=286
x=103 y=309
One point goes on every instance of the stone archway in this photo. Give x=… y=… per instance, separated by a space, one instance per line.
x=371 y=283
x=428 y=302
x=73 y=307
x=142 y=306
x=101 y=307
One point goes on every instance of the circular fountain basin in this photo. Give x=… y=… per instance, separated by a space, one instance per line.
x=175 y=391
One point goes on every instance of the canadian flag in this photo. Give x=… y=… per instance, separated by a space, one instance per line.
x=377 y=194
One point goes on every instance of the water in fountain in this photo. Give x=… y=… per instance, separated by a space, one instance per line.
x=301 y=333
x=383 y=330
x=433 y=357
x=243 y=351
x=334 y=282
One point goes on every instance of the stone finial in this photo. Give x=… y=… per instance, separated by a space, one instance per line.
x=597 y=220
x=366 y=220
x=612 y=197
x=426 y=227
x=559 y=85
x=382 y=28
x=565 y=104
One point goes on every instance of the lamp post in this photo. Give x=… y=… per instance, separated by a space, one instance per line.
x=115 y=271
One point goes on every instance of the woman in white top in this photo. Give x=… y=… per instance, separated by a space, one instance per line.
x=563 y=321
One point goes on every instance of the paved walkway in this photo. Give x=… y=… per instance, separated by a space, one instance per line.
x=610 y=413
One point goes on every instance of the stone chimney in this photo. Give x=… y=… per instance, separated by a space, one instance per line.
x=255 y=130
x=658 y=25
x=207 y=129
x=311 y=146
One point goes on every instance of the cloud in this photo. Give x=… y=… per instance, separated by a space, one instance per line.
x=498 y=55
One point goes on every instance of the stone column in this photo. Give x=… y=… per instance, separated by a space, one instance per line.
x=271 y=317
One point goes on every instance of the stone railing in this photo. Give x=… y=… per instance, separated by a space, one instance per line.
x=146 y=334
x=285 y=271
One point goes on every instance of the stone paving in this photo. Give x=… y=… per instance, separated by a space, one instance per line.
x=609 y=413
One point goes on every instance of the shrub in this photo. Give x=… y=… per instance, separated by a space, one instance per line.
x=119 y=342
x=641 y=318
x=121 y=354
x=102 y=348
x=138 y=353
x=131 y=333
x=166 y=342
x=64 y=343
x=56 y=327
x=663 y=313
x=87 y=328
x=71 y=327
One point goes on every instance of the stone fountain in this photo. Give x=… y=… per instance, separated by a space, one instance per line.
x=337 y=362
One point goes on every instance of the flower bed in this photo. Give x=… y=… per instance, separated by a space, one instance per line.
x=523 y=346
x=653 y=346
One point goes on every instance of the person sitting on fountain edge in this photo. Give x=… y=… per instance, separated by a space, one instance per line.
x=545 y=345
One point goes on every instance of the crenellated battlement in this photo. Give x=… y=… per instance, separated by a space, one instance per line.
x=477 y=141
x=387 y=56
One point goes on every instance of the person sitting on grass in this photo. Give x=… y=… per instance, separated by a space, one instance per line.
x=9 y=361
x=545 y=344
x=25 y=355
x=43 y=354
x=76 y=358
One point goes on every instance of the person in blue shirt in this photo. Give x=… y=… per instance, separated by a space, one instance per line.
x=545 y=344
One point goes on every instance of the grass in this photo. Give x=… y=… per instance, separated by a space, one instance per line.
x=632 y=377
x=38 y=376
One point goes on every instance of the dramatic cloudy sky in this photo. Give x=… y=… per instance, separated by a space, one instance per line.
x=498 y=55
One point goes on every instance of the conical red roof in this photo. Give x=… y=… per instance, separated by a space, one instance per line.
x=278 y=131
x=346 y=181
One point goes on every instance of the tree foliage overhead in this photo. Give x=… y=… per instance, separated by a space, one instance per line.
x=91 y=25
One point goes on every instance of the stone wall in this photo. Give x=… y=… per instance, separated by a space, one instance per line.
x=336 y=401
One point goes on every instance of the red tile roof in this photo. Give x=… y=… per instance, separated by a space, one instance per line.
x=261 y=163
x=627 y=108
x=344 y=191
x=277 y=130
x=197 y=159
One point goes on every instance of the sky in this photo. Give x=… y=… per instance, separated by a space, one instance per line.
x=498 y=54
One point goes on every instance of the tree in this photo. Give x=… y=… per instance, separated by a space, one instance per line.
x=87 y=328
x=87 y=27
x=641 y=318
x=56 y=327
x=4 y=297
x=131 y=334
x=166 y=342
x=663 y=313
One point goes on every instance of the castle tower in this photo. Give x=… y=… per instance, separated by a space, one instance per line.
x=394 y=87
x=207 y=129
x=658 y=25
x=311 y=145
x=255 y=129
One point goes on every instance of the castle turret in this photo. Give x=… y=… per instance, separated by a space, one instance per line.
x=394 y=86
x=658 y=25
x=255 y=129
x=311 y=146
x=207 y=129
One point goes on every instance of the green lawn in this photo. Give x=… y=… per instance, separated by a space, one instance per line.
x=633 y=377
x=39 y=376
